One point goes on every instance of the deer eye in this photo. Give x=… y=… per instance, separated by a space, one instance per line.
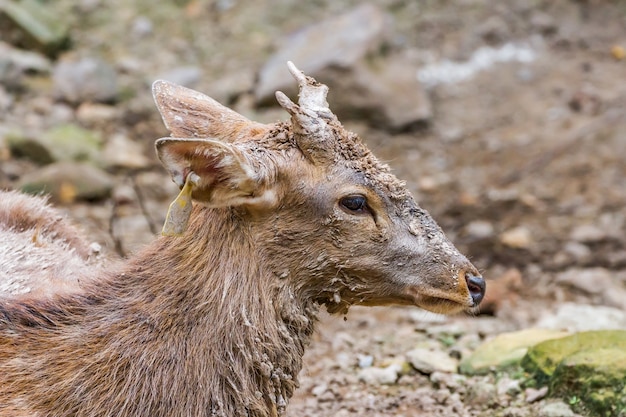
x=354 y=203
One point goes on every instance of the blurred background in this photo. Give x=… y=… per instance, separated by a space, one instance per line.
x=507 y=119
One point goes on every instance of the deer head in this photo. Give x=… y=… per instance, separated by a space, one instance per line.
x=328 y=219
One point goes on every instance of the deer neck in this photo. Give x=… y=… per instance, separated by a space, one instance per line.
x=239 y=318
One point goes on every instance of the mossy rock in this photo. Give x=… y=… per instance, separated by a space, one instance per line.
x=590 y=366
x=505 y=350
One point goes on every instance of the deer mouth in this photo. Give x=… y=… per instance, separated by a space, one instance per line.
x=437 y=302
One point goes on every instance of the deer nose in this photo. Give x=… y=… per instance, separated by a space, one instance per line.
x=476 y=286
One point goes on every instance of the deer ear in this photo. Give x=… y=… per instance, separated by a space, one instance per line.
x=209 y=171
x=191 y=114
x=223 y=174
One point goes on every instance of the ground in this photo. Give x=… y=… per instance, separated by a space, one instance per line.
x=521 y=163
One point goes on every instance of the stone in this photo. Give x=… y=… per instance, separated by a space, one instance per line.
x=556 y=409
x=589 y=280
x=588 y=365
x=508 y=386
x=517 y=238
x=384 y=92
x=68 y=181
x=345 y=53
x=121 y=152
x=505 y=350
x=96 y=114
x=588 y=233
x=380 y=376
x=428 y=361
x=582 y=317
x=16 y=63
x=85 y=79
x=479 y=229
x=31 y=24
x=339 y=41
x=533 y=394
x=69 y=142
x=21 y=145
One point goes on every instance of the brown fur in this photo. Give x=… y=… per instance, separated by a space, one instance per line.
x=215 y=322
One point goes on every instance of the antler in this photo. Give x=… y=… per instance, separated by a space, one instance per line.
x=311 y=115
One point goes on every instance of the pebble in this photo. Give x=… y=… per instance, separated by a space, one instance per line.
x=588 y=233
x=121 y=152
x=517 y=238
x=95 y=114
x=582 y=317
x=479 y=229
x=428 y=361
x=365 y=361
x=85 y=79
x=380 y=376
x=556 y=409
x=589 y=280
x=508 y=386
x=68 y=181
x=340 y=40
x=533 y=394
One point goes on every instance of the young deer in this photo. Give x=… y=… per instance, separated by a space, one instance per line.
x=214 y=321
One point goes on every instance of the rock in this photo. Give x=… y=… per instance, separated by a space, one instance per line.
x=590 y=280
x=121 y=152
x=342 y=52
x=505 y=350
x=68 y=181
x=533 y=395
x=588 y=233
x=380 y=376
x=142 y=26
x=588 y=365
x=508 y=386
x=385 y=92
x=71 y=142
x=61 y=143
x=365 y=361
x=579 y=252
x=23 y=146
x=582 y=317
x=517 y=238
x=428 y=361
x=16 y=63
x=95 y=114
x=556 y=409
x=85 y=79
x=479 y=229
x=482 y=393
x=340 y=41
x=33 y=25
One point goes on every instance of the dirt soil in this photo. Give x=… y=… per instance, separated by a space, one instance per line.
x=522 y=164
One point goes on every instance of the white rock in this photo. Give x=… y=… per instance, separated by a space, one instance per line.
x=556 y=409
x=582 y=317
x=589 y=280
x=429 y=361
x=380 y=376
x=517 y=238
x=120 y=151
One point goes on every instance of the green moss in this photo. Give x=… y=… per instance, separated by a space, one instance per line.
x=589 y=367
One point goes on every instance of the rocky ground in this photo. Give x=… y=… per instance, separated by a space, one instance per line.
x=507 y=120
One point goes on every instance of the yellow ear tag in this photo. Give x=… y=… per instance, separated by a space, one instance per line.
x=180 y=210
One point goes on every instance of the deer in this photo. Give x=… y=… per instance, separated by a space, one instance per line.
x=274 y=222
